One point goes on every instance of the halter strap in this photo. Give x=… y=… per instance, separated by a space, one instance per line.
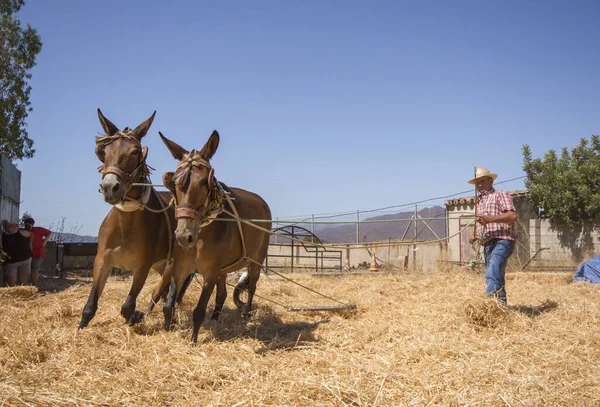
x=213 y=203
x=142 y=169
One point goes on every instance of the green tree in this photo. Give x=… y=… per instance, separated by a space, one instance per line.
x=18 y=50
x=25 y=216
x=566 y=190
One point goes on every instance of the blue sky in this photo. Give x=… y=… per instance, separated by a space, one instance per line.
x=322 y=106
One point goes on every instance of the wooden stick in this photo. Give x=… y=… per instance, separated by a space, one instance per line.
x=476 y=201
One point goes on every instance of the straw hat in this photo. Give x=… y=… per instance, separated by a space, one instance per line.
x=481 y=173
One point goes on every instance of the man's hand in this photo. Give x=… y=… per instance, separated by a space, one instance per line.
x=484 y=220
x=473 y=238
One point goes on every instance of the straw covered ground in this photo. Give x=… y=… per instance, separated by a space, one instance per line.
x=416 y=339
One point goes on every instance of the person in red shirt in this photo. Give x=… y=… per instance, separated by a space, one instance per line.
x=41 y=236
x=495 y=229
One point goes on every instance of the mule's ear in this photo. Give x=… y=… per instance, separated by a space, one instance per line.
x=108 y=127
x=176 y=150
x=210 y=148
x=168 y=181
x=141 y=130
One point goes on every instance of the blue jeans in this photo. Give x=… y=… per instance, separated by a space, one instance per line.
x=496 y=253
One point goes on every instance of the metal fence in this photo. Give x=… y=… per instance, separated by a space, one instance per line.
x=10 y=190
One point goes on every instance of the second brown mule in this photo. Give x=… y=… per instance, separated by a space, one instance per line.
x=213 y=248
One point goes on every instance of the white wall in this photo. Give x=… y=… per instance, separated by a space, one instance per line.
x=423 y=256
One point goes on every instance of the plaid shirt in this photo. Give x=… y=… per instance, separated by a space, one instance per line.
x=492 y=203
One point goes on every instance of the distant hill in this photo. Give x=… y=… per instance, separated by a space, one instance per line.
x=370 y=232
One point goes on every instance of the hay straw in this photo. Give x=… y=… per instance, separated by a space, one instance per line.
x=416 y=339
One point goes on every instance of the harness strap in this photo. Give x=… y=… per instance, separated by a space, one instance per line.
x=132 y=205
x=184 y=211
x=112 y=169
x=142 y=168
x=235 y=215
x=169 y=226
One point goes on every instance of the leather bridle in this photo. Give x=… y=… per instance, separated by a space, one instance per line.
x=212 y=205
x=141 y=171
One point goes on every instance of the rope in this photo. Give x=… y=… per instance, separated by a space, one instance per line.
x=164 y=209
x=279 y=221
x=345 y=246
x=301 y=285
x=264 y=298
x=385 y=263
x=477 y=248
x=142 y=184
x=287 y=307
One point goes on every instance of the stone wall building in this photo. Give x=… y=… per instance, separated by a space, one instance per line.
x=541 y=245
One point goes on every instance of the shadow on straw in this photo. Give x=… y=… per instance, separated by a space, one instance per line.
x=546 y=306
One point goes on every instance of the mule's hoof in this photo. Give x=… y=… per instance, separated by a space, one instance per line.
x=136 y=317
x=248 y=315
x=170 y=326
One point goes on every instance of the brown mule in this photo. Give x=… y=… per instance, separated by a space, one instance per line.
x=213 y=247
x=136 y=235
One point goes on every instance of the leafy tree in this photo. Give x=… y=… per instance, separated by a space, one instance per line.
x=566 y=189
x=25 y=216
x=18 y=50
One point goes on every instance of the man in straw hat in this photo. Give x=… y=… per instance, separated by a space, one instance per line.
x=495 y=229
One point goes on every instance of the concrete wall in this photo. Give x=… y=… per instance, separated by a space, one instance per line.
x=560 y=244
x=564 y=247
x=425 y=257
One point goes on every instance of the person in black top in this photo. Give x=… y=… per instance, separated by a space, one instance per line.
x=17 y=246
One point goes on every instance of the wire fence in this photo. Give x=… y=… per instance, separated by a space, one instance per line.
x=415 y=221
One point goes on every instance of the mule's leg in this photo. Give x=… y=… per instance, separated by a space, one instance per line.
x=253 y=276
x=160 y=287
x=169 y=307
x=178 y=279
x=128 y=311
x=221 y=296
x=200 y=311
x=241 y=285
x=186 y=284
x=101 y=272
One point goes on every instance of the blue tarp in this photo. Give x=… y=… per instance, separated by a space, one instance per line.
x=589 y=271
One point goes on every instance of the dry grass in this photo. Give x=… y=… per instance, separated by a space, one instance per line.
x=415 y=340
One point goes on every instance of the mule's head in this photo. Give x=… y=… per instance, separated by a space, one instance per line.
x=123 y=158
x=192 y=184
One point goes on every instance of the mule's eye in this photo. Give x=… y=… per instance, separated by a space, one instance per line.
x=203 y=182
x=135 y=152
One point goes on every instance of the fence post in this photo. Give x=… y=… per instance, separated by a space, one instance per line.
x=357 y=221
x=415 y=234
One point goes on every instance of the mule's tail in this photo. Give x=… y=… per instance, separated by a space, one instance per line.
x=241 y=286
